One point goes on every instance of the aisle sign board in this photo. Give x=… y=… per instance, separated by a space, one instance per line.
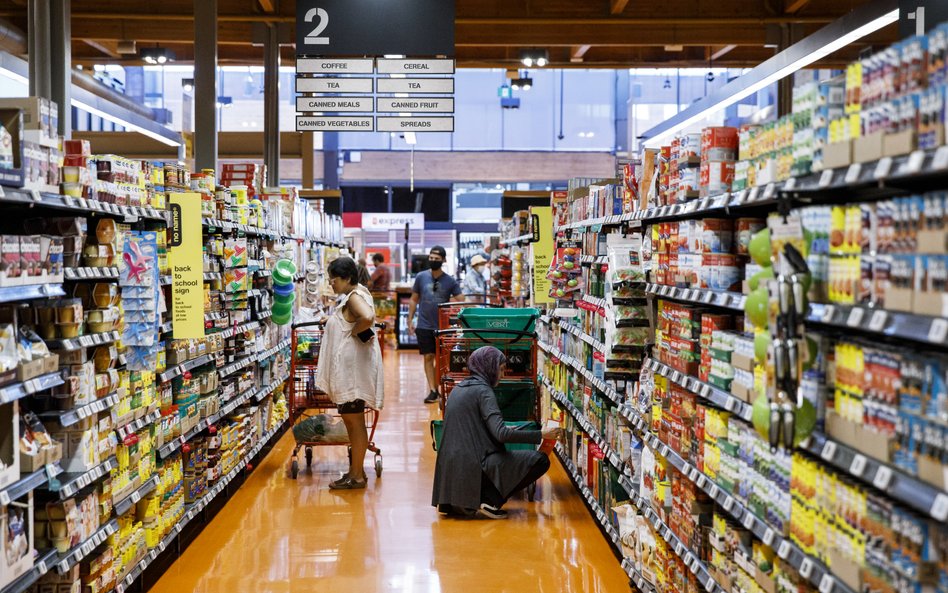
x=334 y=123
x=415 y=85
x=334 y=66
x=415 y=66
x=185 y=249
x=373 y=28
x=415 y=105
x=334 y=104
x=384 y=221
x=334 y=85
x=542 y=250
x=415 y=124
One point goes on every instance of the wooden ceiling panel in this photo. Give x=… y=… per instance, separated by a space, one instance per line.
x=600 y=33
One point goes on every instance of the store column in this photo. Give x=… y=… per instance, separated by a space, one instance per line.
x=61 y=62
x=38 y=26
x=271 y=104
x=205 y=84
x=331 y=168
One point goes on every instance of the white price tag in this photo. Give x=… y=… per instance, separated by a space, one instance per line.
x=693 y=475
x=883 y=478
x=679 y=548
x=769 y=191
x=752 y=194
x=729 y=504
x=41 y=567
x=748 y=520
x=827 y=583
x=915 y=162
x=940 y=161
x=806 y=568
x=829 y=451
x=858 y=466
x=826 y=178
x=136 y=497
x=707 y=297
x=36 y=195
x=694 y=564
x=769 y=538
x=702 y=481
x=877 y=321
x=855 y=317
x=882 y=168
x=784 y=549
x=939 y=327
x=709 y=584
x=940 y=507
x=852 y=174
x=730 y=404
x=790 y=184
x=4 y=498
x=713 y=491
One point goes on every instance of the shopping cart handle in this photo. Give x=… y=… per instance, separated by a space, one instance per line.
x=471 y=330
x=309 y=324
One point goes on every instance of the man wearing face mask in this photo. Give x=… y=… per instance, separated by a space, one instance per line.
x=432 y=287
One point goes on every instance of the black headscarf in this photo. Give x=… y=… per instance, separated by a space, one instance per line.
x=485 y=363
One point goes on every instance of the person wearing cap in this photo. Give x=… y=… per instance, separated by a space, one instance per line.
x=432 y=287
x=474 y=285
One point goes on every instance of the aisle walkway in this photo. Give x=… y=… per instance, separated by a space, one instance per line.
x=280 y=536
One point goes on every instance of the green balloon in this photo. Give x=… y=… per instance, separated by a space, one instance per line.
x=765 y=274
x=759 y=247
x=762 y=341
x=804 y=422
x=755 y=307
x=760 y=416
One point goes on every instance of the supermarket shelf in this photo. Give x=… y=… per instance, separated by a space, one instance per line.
x=89 y=273
x=211 y=276
x=83 y=205
x=594 y=223
x=809 y=567
x=244 y=228
x=522 y=239
x=699 y=296
x=923 y=329
x=273 y=351
x=236 y=366
x=594 y=507
x=265 y=391
x=180 y=369
x=588 y=428
x=887 y=176
x=572 y=329
x=594 y=259
x=263 y=273
x=86 y=341
x=123 y=506
x=13 y=392
x=595 y=301
x=10 y=294
x=216 y=316
x=166 y=327
x=70 y=483
x=716 y=396
x=70 y=417
x=169 y=448
x=919 y=495
x=29 y=483
x=74 y=556
x=265 y=314
x=636 y=578
x=577 y=365
x=136 y=425
x=693 y=563
x=239 y=329
x=193 y=510
x=165 y=280
x=40 y=567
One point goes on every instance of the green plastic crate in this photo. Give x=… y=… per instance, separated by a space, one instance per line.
x=437 y=426
x=517 y=322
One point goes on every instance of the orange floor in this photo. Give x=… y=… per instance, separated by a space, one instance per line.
x=276 y=535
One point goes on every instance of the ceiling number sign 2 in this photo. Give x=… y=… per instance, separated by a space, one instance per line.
x=315 y=37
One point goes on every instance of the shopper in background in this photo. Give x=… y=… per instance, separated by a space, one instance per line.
x=364 y=277
x=475 y=285
x=474 y=473
x=381 y=280
x=350 y=365
x=432 y=287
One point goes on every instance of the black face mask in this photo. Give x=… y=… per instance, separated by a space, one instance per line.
x=435 y=265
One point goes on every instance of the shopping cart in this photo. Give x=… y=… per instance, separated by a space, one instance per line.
x=448 y=312
x=305 y=399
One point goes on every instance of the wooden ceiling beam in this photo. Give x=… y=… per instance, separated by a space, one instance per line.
x=617 y=6
x=268 y=6
x=720 y=52
x=108 y=48
x=794 y=6
x=577 y=52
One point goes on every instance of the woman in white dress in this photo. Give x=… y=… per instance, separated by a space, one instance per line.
x=350 y=363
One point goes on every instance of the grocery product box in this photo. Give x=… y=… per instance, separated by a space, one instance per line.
x=870 y=147
x=39 y=113
x=16 y=539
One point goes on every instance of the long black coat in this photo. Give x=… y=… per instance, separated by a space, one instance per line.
x=472 y=444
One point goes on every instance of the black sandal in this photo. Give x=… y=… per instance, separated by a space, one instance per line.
x=346 y=482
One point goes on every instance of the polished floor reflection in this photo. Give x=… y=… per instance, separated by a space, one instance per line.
x=276 y=535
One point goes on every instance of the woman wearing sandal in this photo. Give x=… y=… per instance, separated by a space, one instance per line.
x=350 y=365
x=474 y=473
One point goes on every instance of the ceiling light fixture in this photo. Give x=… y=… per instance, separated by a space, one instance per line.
x=817 y=46
x=187 y=85
x=534 y=57
x=157 y=55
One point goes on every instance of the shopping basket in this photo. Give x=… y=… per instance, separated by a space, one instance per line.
x=516 y=322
